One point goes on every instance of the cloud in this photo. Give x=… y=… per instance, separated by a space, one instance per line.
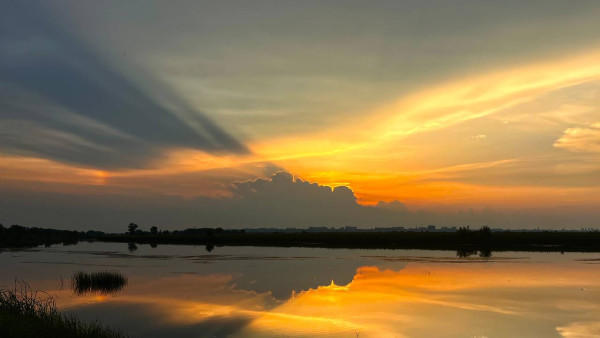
x=127 y=316
x=282 y=187
x=580 y=330
x=478 y=138
x=278 y=201
x=580 y=139
x=60 y=100
x=284 y=201
x=394 y=205
x=543 y=172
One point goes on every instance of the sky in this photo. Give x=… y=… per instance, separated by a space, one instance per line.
x=300 y=113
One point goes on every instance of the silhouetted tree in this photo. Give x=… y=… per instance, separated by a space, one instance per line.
x=154 y=230
x=132 y=228
x=485 y=230
x=463 y=230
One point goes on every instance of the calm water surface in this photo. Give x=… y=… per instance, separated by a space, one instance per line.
x=186 y=291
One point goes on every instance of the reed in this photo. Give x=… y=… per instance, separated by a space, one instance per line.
x=28 y=313
x=102 y=282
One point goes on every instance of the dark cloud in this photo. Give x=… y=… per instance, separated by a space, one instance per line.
x=60 y=100
x=279 y=202
x=290 y=202
x=394 y=205
x=143 y=320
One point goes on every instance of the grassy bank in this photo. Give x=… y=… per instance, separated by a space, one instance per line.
x=25 y=313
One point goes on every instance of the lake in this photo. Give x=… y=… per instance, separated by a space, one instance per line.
x=189 y=291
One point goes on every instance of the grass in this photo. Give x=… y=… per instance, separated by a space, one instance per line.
x=101 y=282
x=27 y=313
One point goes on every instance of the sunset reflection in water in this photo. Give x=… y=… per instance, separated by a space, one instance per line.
x=499 y=299
x=183 y=291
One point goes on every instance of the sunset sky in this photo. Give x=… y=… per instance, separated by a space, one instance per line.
x=185 y=113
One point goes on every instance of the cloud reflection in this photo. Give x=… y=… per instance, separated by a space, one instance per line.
x=502 y=299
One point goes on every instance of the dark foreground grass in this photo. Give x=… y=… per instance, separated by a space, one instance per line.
x=27 y=313
x=101 y=282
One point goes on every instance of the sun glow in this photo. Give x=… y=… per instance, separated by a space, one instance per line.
x=370 y=154
x=377 y=155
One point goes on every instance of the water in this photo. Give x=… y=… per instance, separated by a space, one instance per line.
x=186 y=291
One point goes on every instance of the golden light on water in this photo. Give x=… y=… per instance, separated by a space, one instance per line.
x=378 y=302
x=386 y=303
x=299 y=117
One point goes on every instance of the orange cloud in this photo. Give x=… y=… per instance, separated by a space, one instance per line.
x=369 y=154
x=584 y=140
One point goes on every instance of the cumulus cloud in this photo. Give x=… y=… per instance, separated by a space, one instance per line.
x=277 y=201
x=394 y=205
x=60 y=100
x=282 y=187
x=282 y=200
x=581 y=139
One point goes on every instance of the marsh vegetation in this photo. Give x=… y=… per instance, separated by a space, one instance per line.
x=28 y=313
x=103 y=282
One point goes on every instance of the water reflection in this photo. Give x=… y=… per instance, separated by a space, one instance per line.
x=507 y=300
x=132 y=247
x=468 y=299
x=275 y=292
x=468 y=252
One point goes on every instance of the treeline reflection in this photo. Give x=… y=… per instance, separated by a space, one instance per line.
x=462 y=252
x=468 y=252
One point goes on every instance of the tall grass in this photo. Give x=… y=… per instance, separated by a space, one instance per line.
x=101 y=282
x=28 y=313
